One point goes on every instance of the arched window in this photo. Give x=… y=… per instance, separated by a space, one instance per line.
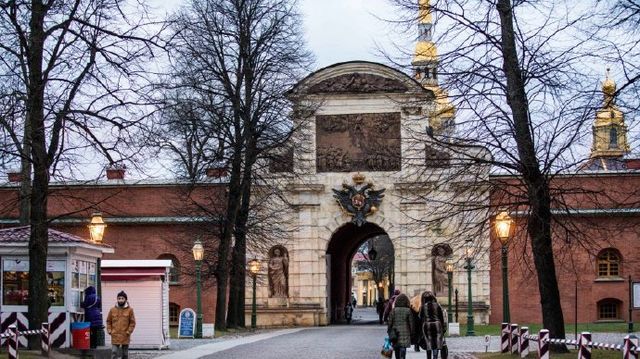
x=174 y=272
x=609 y=263
x=609 y=309
x=613 y=137
x=174 y=311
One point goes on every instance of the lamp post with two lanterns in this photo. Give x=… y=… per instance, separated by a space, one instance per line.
x=503 y=227
x=254 y=268
x=198 y=254
x=96 y=233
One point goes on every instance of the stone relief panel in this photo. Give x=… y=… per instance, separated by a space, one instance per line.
x=436 y=158
x=358 y=142
x=358 y=83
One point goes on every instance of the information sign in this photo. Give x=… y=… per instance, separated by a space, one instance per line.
x=187 y=323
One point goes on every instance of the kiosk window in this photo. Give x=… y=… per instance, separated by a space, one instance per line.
x=83 y=274
x=15 y=282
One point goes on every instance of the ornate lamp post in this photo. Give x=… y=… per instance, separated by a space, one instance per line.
x=469 y=266
x=198 y=254
x=503 y=226
x=96 y=232
x=449 y=282
x=254 y=268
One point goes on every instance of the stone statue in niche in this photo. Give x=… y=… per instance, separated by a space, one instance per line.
x=439 y=256
x=278 y=272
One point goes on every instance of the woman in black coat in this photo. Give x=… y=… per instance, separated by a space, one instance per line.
x=433 y=329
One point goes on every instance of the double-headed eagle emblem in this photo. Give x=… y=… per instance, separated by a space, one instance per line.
x=359 y=200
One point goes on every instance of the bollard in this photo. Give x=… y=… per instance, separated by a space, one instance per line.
x=584 y=350
x=44 y=338
x=504 y=346
x=543 y=344
x=524 y=342
x=513 y=334
x=12 y=342
x=630 y=347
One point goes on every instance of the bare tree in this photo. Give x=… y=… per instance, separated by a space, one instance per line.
x=524 y=101
x=237 y=57
x=77 y=64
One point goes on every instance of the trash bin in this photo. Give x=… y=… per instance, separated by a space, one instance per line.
x=80 y=333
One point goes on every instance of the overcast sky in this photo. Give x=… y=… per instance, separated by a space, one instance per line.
x=337 y=30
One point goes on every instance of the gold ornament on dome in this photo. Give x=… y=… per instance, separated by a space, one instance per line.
x=608 y=85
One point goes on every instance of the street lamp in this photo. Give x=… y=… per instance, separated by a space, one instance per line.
x=198 y=254
x=449 y=278
x=503 y=226
x=254 y=268
x=96 y=232
x=96 y=227
x=469 y=266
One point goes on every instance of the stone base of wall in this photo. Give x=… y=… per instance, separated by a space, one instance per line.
x=288 y=316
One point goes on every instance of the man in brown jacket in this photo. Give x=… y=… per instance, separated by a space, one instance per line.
x=120 y=325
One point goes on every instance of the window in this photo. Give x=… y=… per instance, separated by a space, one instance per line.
x=83 y=274
x=15 y=279
x=613 y=137
x=609 y=309
x=174 y=311
x=609 y=263
x=174 y=272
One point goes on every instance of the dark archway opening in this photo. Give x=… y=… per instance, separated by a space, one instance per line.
x=342 y=247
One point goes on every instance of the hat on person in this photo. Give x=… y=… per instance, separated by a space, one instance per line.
x=123 y=294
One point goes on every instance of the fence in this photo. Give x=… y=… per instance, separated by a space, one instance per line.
x=12 y=334
x=516 y=340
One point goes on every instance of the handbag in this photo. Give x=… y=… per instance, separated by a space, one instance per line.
x=444 y=352
x=387 y=349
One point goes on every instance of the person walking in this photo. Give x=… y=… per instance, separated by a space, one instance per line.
x=389 y=307
x=120 y=324
x=92 y=313
x=433 y=329
x=400 y=326
x=380 y=308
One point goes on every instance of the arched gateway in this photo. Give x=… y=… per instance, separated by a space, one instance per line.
x=357 y=171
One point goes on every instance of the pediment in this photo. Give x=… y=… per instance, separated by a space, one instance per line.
x=358 y=77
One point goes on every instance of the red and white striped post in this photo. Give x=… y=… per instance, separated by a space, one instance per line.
x=44 y=338
x=505 y=338
x=12 y=342
x=543 y=344
x=524 y=342
x=513 y=334
x=629 y=351
x=584 y=350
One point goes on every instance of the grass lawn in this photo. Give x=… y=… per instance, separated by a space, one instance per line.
x=595 y=353
x=24 y=354
x=173 y=331
x=494 y=329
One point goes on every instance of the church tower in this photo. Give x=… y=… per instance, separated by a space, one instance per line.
x=425 y=69
x=609 y=130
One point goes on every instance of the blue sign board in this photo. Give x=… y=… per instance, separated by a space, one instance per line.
x=187 y=323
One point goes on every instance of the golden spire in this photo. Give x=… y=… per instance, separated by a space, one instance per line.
x=425 y=48
x=609 y=129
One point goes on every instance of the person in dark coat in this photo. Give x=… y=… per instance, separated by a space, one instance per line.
x=389 y=307
x=401 y=322
x=380 y=308
x=433 y=329
x=92 y=313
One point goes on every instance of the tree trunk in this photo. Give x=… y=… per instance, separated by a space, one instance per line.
x=236 y=316
x=25 y=174
x=38 y=241
x=233 y=204
x=539 y=225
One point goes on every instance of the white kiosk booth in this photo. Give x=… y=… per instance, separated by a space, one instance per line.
x=146 y=283
x=71 y=268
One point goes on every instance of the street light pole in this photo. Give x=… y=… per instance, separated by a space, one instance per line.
x=254 y=268
x=449 y=286
x=96 y=232
x=469 y=266
x=198 y=254
x=504 y=226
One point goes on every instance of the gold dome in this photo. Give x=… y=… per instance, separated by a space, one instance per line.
x=608 y=85
x=424 y=12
